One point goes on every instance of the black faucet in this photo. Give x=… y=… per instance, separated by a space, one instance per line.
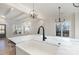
x=43 y=32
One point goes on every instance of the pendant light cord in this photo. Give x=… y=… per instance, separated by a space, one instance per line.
x=59 y=14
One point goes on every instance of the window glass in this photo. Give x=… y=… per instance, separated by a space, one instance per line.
x=2 y=27
x=62 y=28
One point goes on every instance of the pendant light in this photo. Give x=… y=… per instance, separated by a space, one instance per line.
x=59 y=19
x=33 y=13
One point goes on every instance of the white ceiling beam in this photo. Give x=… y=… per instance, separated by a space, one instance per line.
x=20 y=7
x=21 y=18
x=7 y=12
x=17 y=16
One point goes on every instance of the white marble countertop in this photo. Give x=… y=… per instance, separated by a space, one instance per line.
x=34 y=47
x=20 y=39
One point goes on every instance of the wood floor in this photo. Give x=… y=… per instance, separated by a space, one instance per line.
x=7 y=48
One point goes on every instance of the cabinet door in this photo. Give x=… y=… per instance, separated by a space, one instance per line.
x=12 y=48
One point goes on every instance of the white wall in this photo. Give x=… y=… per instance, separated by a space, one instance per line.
x=48 y=23
x=77 y=25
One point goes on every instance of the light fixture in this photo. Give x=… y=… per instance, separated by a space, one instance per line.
x=12 y=9
x=33 y=14
x=2 y=17
x=76 y=4
x=59 y=19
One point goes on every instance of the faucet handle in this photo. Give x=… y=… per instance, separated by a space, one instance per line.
x=45 y=37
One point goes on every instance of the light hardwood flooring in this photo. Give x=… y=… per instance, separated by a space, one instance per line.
x=7 y=48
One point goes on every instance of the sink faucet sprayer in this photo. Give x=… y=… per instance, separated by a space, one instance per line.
x=43 y=32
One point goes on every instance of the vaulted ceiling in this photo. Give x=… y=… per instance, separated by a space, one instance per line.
x=22 y=10
x=50 y=9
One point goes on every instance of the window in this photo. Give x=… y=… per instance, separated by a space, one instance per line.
x=2 y=28
x=62 y=28
x=27 y=26
x=22 y=28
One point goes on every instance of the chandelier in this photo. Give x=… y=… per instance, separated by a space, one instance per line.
x=59 y=19
x=33 y=14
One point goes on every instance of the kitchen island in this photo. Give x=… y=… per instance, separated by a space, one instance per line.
x=33 y=45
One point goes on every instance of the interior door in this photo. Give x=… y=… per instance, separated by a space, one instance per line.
x=2 y=31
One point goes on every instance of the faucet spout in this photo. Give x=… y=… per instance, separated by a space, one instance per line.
x=43 y=32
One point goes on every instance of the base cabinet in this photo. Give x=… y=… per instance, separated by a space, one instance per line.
x=12 y=48
x=21 y=52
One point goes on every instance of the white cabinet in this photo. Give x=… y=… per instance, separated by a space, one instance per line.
x=77 y=25
x=21 y=52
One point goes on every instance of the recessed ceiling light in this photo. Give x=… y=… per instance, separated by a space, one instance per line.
x=2 y=16
x=12 y=9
